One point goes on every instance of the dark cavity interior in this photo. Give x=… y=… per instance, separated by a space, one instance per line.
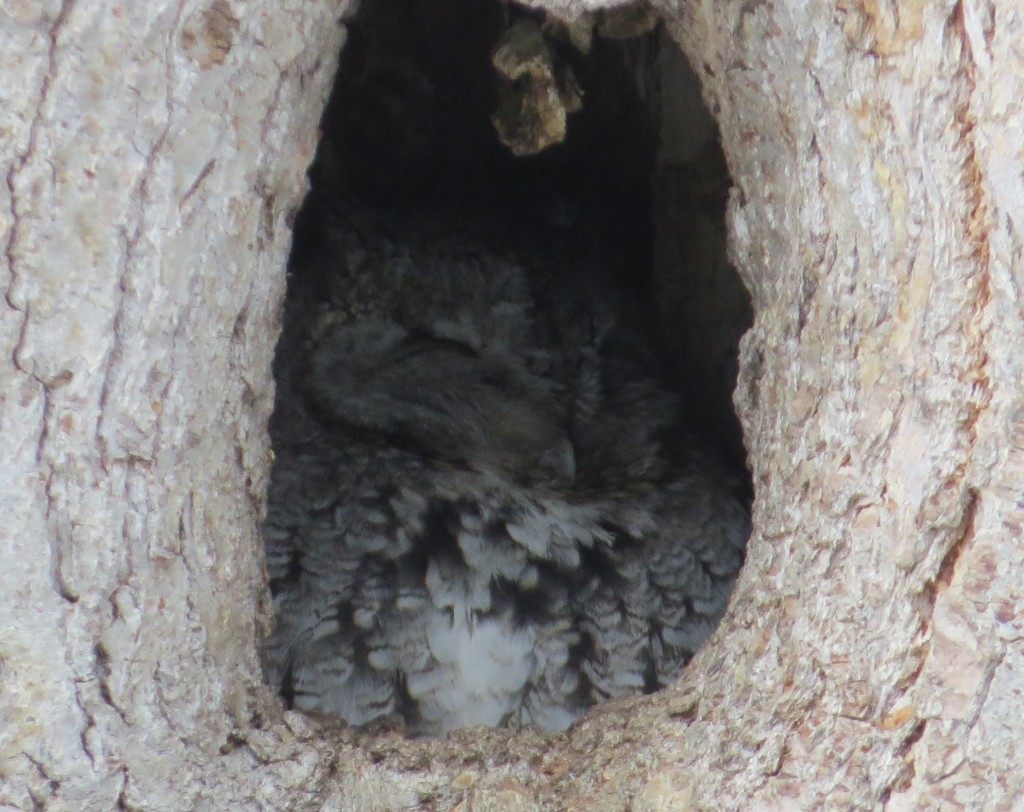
x=421 y=126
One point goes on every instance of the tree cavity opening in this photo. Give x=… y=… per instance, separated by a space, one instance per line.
x=509 y=480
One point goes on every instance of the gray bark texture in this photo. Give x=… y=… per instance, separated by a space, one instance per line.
x=153 y=154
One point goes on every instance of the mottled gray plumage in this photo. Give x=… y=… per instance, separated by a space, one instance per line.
x=484 y=507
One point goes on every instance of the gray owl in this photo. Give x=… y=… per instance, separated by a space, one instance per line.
x=485 y=507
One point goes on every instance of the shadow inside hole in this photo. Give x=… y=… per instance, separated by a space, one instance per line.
x=509 y=480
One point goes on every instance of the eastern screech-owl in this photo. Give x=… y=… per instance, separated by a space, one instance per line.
x=484 y=508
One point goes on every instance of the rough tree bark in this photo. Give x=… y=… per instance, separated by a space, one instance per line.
x=153 y=154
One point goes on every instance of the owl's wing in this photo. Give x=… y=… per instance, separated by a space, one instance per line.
x=668 y=575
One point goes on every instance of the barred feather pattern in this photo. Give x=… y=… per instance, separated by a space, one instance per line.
x=484 y=507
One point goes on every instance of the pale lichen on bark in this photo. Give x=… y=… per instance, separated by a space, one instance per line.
x=113 y=325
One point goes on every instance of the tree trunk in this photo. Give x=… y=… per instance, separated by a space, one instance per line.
x=154 y=154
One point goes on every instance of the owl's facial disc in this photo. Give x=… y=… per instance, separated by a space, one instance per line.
x=444 y=398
